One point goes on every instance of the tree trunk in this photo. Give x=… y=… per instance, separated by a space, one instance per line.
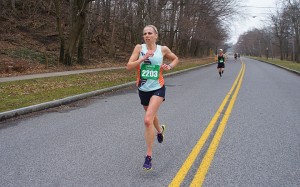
x=112 y=38
x=172 y=27
x=75 y=33
x=107 y=7
x=59 y=28
x=281 y=49
x=76 y=30
x=80 y=53
x=297 y=48
x=13 y=5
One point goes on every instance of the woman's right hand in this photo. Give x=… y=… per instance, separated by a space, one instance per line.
x=149 y=53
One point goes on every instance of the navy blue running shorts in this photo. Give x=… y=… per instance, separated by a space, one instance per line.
x=146 y=96
x=221 y=65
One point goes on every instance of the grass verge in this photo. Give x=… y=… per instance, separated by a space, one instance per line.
x=287 y=64
x=18 y=94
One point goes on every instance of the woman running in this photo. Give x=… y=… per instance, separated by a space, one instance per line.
x=148 y=60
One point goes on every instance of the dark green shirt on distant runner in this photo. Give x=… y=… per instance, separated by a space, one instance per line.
x=221 y=59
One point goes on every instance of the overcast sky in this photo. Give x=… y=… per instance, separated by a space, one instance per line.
x=256 y=14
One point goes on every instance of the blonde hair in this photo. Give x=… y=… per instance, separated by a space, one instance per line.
x=153 y=27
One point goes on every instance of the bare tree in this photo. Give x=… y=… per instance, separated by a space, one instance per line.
x=112 y=38
x=294 y=14
x=189 y=27
x=280 y=30
x=78 y=24
x=57 y=4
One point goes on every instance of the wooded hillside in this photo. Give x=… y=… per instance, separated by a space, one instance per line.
x=71 y=33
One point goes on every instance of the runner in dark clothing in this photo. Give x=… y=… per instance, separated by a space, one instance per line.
x=235 y=56
x=221 y=62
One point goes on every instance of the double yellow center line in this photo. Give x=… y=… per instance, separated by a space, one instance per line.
x=206 y=161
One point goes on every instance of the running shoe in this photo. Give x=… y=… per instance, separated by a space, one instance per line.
x=160 y=136
x=147 y=165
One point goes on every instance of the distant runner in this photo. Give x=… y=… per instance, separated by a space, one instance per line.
x=221 y=62
x=148 y=60
x=235 y=57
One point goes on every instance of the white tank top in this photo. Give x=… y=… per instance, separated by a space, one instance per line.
x=150 y=75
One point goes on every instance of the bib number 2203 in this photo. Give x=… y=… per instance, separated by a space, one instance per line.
x=149 y=71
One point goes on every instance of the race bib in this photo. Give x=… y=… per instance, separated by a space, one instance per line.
x=149 y=71
x=221 y=61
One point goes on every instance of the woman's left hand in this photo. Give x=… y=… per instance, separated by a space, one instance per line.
x=166 y=67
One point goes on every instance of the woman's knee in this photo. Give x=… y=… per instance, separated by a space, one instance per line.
x=148 y=120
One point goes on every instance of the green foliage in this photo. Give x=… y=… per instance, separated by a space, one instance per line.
x=28 y=54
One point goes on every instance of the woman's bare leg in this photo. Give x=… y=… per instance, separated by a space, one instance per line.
x=151 y=122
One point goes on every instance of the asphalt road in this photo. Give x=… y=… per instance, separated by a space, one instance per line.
x=99 y=141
